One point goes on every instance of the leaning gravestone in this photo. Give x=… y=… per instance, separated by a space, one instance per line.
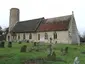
x=76 y=61
x=9 y=44
x=23 y=48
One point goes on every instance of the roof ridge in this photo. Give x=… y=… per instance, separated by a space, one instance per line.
x=59 y=16
x=31 y=19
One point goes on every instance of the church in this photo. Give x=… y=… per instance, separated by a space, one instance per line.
x=61 y=29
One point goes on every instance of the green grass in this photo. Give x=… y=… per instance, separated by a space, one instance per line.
x=14 y=56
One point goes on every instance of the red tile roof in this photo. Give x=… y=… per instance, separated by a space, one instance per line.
x=55 y=24
x=59 y=26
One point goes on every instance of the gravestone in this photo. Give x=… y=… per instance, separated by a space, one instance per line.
x=76 y=61
x=50 y=46
x=50 y=49
x=2 y=44
x=9 y=44
x=23 y=48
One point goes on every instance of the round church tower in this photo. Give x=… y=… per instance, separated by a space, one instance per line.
x=14 y=18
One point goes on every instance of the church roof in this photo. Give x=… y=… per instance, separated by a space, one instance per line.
x=56 y=24
x=28 y=25
x=41 y=24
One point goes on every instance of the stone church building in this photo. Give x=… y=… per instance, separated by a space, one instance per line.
x=61 y=29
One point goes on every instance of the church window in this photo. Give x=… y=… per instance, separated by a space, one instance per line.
x=18 y=36
x=30 y=36
x=46 y=36
x=24 y=36
x=8 y=38
x=55 y=35
x=38 y=36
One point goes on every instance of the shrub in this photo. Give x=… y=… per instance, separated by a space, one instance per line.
x=23 y=48
x=66 y=49
x=20 y=42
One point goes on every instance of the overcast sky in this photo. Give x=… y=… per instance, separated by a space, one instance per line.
x=31 y=9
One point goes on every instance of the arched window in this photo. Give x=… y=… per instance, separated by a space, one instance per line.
x=55 y=35
x=8 y=38
x=30 y=36
x=38 y=36
x=19 y=36
x=46 y=36
x=24 y=36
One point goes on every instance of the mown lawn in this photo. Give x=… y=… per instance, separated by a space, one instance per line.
x=14 y=56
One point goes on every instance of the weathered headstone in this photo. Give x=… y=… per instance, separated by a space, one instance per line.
x=50 y=49
x=50 y=46
x=76 y=61
x=9 y=44
x=23 y=48
x=2 y=44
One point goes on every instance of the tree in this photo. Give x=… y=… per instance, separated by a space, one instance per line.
x=82 y=38
x=3 y=33
x=0 y=30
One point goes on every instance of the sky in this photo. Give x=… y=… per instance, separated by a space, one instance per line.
x=31 y=9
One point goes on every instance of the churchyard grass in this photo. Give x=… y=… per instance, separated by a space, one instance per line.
x=14 y=56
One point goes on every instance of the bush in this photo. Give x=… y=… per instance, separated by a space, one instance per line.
x=23 y=48
x=66 y=49
x=20 y=42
